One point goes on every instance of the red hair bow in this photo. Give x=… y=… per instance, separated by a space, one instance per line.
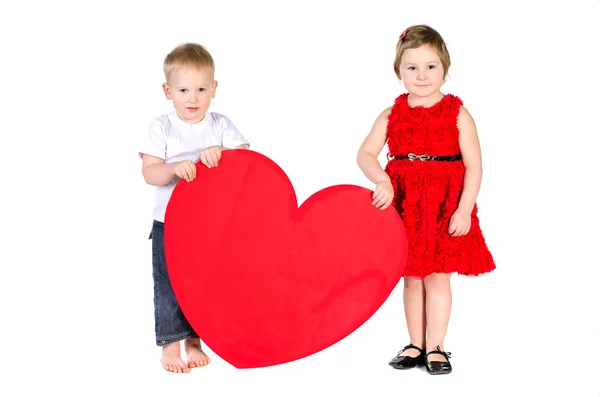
x=403 y=35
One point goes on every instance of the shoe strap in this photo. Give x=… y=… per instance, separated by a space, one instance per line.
x=410 y=346
x=439 y=351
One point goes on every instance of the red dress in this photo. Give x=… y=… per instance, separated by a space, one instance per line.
x=427 y=192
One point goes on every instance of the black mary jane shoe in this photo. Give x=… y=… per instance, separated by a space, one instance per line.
x=406 y=362
x=438 y=367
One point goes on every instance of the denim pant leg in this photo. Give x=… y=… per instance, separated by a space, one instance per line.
x=170 y=323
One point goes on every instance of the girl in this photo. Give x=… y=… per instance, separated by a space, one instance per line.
x=432 y=178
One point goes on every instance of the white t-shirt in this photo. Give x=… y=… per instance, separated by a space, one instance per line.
x=172 y=139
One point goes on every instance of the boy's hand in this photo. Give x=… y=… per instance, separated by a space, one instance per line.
x=210 y=156
x=460 y=223
x=185 y=170
x=383 y=194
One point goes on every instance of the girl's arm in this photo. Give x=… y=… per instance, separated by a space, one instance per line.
x=371 y=148
x=471 y=157
x=369 y=165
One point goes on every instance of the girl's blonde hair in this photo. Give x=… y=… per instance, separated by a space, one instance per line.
x=189 y=54
x=421 y=35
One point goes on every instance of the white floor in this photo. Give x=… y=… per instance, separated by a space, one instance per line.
x=504 y=341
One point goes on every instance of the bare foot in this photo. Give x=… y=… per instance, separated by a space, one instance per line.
x=195 y=355
x=171 y=358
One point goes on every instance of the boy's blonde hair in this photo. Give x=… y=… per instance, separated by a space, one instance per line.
x=422 y=35
x=189 y=54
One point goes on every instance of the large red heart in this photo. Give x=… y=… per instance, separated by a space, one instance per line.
x=264 y=282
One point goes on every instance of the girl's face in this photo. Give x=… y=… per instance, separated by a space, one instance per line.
x=421 y=71
x=191 y=91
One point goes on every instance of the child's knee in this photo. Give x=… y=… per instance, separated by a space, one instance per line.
x=412 y=283
x=437 y=281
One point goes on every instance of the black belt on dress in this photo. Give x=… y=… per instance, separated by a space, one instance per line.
x=425 y=157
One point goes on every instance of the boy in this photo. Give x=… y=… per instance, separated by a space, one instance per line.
x=170 y=148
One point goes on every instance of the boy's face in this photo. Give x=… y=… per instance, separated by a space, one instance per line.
x=191 y=91
x=421 y=71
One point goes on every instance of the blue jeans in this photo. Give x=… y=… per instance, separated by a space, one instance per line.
x=169 y=322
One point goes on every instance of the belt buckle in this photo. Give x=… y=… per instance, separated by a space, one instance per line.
x=422 y=157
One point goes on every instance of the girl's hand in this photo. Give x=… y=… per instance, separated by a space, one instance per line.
x=383 y=194
x=210 y=156
x=460 y=223
x=185 y=170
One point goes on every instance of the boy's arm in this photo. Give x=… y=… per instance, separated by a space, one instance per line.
x=157 y=173
x=242 y=146
x=231 y=137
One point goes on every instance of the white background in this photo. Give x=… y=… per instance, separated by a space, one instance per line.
x=304 y=81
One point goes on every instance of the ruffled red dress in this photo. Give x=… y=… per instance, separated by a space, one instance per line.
x=427 y=192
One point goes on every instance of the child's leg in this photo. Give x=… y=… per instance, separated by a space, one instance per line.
x=194 y=353
x=438 y=305
x=171 y=358
x=170 y=324
x=414 y=311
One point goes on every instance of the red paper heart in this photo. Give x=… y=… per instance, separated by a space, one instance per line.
x=264 y=282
